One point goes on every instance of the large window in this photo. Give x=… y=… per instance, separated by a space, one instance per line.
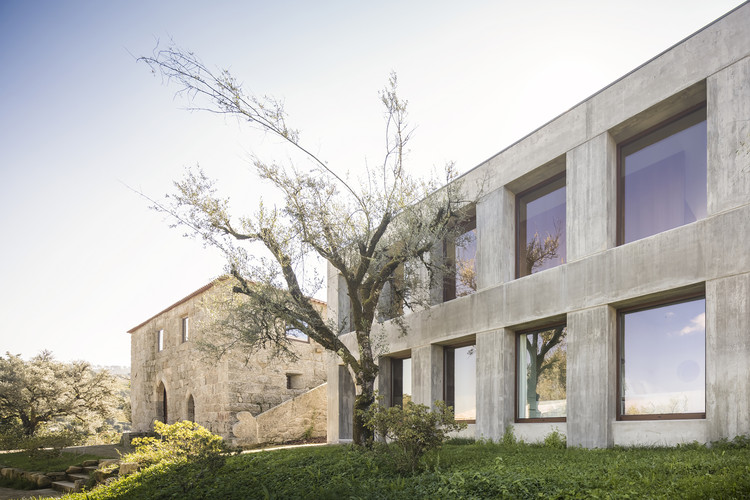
x=541 y=227
x=541 y=370
x=461 y=382
x=663 y=361
x=460 y=254
x=400 y=381
x=663 y=178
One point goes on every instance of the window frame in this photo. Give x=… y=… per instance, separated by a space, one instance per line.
x=394 y=362
x=185 y=324
x=540 y=185
x=446 y=371
x=621 y=164
x=516 y=416
x=653 y=304
x=463 y=225
x=160 y=340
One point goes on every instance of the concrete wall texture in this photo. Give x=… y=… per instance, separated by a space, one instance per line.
x=220 y=390
x=601 y=276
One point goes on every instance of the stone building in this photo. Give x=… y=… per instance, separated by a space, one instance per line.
x=612 y=259
x=247 y=400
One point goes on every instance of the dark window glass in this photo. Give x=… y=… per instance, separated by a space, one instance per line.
x=460 y=254
x=541 y=228
x=191 y=409
x=663 y=360
x=542 y=366
x=401 y=381
x=663 y=178
x=461 y=381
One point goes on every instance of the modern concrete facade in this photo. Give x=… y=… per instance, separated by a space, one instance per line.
x=603 y=276
x=236 y=396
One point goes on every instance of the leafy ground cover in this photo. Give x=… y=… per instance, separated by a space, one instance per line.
x=476 y=470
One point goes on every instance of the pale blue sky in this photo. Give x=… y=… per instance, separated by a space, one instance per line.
x=82 y=258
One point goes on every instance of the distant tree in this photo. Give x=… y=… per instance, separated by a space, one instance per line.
x=369 y=229
x=42 y=390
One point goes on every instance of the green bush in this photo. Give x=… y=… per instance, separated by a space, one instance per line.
x=555 y=440
x=413 y=429
x=181 y=441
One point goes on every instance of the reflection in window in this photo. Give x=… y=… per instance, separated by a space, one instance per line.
x=297 y=334
x=460 y=381
x=460 y=254
x=541 y=228
x=663 y=178
x=542 y=365
x=401 y=381
x=663 y=360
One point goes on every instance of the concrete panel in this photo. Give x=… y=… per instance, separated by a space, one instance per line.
x=496 y=235
x=659 y=432
x=591 y=377
x=729 y=137
x=495 y=383
x=591 y=197
x=384 y=380
x=536 y=432
x=427 y=374
x=727 y=355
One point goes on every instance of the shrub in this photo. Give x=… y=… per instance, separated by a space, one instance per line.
x=413 y=428
x=509 y=436
x=181 y=441
x=555 y=440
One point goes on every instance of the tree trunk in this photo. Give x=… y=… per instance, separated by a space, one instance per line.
x=361 y=435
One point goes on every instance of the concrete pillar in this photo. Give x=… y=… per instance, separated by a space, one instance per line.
x=496 y=238
x=340 y=392
x=729 y=137
x=427 y=374
x=591 y=377
x=339 y=307
x=495 y=383
x=384 y=381
x=727 y=354
x=591 y=197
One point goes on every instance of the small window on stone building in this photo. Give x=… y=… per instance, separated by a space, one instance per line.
x=297 y=334
x=185 y=329
x=160 y=340
x=294 y=381
x=191 y=409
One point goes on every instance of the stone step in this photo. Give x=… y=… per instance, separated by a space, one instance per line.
x=90 y=468
x=74 y=477
x=64 y=486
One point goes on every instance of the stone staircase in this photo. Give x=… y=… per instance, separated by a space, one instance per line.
x=76 y=477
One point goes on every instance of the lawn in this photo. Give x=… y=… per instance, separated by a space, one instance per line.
x=475 y=470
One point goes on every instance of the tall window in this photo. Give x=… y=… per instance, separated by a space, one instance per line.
x=541 y=227
x=191 y=408
x=460 y=255
x=160 y=340
x=663 y=178
x=663 y=361
x=461 y=382
x=541 y=374
x=185 y=329
x=400 y=381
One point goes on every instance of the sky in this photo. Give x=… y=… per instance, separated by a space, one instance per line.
x=84 y=126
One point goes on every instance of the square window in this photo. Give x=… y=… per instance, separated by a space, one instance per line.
x=541 y=373
x=460 y=258
x=185 y=329
x=400 y=381
x=662 y=178
x=160 y=340
x=540 y=214
x=461 y=382
x=662 y=353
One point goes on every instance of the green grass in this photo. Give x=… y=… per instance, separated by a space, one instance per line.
x=457 y=471
x=44 y=462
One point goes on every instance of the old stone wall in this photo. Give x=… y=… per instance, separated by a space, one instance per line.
x=205 y=390
x=301 y=417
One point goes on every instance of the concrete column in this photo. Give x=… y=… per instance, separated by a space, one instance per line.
x=338 y=301
x=727 y=354
x=384 y=381
x=591 y=377
x=340 y=392
x=496 y=218
x=495 y=383
x=729 y=137
x=591 y=197
x=427 y=374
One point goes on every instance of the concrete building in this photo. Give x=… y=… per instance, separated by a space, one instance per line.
x=612 y=255
x=246 y=398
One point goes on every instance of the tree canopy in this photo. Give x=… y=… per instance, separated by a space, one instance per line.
x=381 y=224
x=41 y=391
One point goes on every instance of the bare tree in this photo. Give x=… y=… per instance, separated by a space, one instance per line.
x=366 y=229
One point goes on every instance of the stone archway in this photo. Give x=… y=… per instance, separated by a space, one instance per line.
x=191 y=408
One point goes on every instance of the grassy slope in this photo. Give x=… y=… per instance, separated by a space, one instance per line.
x=43 y=463
x=468 y=471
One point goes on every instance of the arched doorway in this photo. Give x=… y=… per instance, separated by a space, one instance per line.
x=191 y=408
x=162 y=407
